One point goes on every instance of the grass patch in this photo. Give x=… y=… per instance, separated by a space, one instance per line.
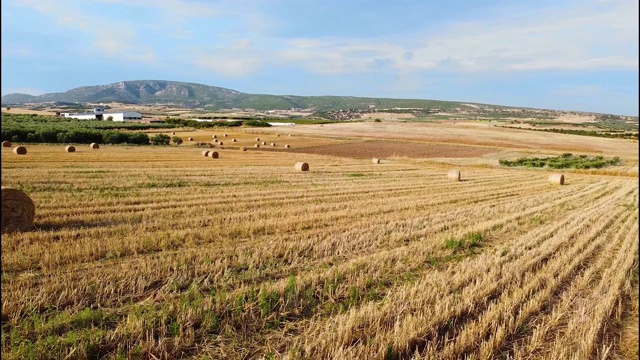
x=467 y=243
x=564 y=161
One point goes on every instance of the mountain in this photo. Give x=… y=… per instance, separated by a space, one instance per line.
x=213 y=97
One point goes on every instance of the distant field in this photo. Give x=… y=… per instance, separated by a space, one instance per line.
x=159 y=252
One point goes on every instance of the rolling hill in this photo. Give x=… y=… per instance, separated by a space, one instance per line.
x=213 y=97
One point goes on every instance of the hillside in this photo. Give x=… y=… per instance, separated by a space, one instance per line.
x=214 y=98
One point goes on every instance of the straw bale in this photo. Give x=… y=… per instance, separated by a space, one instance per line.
x=244 y=148
x=190 y=139
x=94 y=146
x=18 y=210
x=273 y=144
x=256 y=145
x=375 y=160
x=257 y=139
x=205 y=152
x=221 y=143
x=301 y=166
x=6 y=144
x=70 y=148
x=20 y=150
x=225 y=135
x=264 y=143
x=234 y=140
x=454 y=175
x=557 y=179
x=287 y=146
x=173 y=133
x=213 y=154
x=214 y=136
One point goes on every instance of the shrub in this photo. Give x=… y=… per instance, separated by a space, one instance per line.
x=160 y=139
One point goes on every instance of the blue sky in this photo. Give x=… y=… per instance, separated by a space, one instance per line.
x=577 y=55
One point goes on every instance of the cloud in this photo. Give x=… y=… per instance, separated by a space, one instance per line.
x=237 y=60
x=119 y=40
x=575 y=37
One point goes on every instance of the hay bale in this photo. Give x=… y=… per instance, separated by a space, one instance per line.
x=290 y=135
x=273 y=144
x=70 y=148
x=173 y=133
x=557 y=179
x=375 y=160
x=18 y=211
x=6 y=144
x=287 y=146
x=20 y=150
x=454 y=175
x=278 y=135
x=214 y=136
x=190 y=139
x=256 y=145
x=301 y=166
x=264 y=143
x=215 y=140
x=94 y=146
x=205 y=152
x=225 y=135
x=234 y=140
x=257 y=139
x=221 y=143
x=213 y=154
x=244 y=148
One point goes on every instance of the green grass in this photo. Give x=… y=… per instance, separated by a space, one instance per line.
x=564 y=161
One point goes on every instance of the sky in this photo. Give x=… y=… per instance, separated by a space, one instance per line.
x=575 y=55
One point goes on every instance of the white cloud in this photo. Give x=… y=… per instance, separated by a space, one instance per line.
x=582 y=37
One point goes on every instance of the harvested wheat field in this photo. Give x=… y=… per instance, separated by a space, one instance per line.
x=159 y=252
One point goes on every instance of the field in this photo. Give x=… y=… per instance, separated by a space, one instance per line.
x=159 y=252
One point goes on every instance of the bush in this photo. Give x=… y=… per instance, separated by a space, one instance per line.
x=176 y=140
x=160 y=139
x=257 y=123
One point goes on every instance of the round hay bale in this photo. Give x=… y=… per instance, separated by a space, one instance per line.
x=94 y=146
x=221 y=143
x=375 y=161
x=213 y=154
x=173 y=133
x=234 y=140
x=18 y=211
x=264 y=143
x=244 y=148
x=225 y=135
x=557 y=179
x=20 y=150
x=256 y=145
x=190 y=139
x=454 y=175
x=273 y=144
x=257 y=139
x=205 y=152
x=70 y=148
x=301 y=166
x=278 y=135
x=287 y=146
x=214 y=136
x=290 y=135
x=215 y=140
x=6 y=144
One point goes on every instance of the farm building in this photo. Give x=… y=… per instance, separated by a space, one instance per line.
x=99 y=114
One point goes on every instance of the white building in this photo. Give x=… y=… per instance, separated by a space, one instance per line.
x=99 y=114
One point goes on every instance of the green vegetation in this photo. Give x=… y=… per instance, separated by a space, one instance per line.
x=606 y=134
x=49 y=129
x=160 y=139
x=564 y=161
x=256 y=123
x=468 y=243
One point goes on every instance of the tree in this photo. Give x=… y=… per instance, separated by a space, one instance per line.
x=176 y=140
x=109 y=118
x=160 y=139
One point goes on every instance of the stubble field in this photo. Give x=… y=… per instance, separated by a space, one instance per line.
x=159 y=252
